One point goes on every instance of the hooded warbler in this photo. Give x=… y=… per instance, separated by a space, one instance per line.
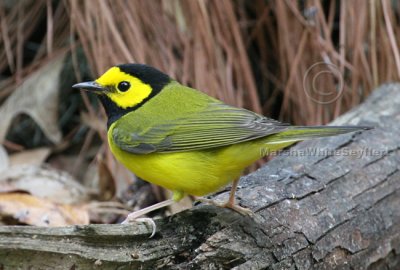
x=181 y=139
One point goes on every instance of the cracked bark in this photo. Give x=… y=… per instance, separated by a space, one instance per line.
x=336 y=207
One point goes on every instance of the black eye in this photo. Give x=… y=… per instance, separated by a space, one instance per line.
x=123 y=86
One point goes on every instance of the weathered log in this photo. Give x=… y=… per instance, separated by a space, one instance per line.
x=325 y=204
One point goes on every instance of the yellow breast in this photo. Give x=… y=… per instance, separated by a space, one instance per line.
x=196 y=172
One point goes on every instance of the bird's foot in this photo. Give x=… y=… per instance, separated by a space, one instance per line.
x=241 y=210
x=133 y=217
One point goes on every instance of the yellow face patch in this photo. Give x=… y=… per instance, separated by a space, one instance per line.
x=132 y=96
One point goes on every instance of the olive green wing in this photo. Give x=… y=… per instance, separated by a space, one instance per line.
x=215 y=126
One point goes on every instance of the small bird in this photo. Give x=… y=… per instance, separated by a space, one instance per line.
x=181 y=139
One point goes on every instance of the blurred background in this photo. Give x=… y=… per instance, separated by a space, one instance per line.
x=303 y=62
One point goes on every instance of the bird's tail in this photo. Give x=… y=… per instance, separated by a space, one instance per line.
x=301 y=133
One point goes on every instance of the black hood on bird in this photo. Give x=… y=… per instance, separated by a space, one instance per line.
x=149 y=75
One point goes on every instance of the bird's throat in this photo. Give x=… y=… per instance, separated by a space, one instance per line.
x=112 y=110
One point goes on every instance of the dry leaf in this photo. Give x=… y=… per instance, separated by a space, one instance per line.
x=43 y=182
x=100 y=179
x=94 y=122
x=30 y=210
x=107 y=188
x=30 y=157
x=4 y=161
x=68 y=164
x=37 y=96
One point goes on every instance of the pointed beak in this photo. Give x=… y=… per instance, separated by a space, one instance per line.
x=89 y=86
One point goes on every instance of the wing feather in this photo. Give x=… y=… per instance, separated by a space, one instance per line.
x=218 y=125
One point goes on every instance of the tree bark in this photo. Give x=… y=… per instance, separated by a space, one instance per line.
x=331 y=203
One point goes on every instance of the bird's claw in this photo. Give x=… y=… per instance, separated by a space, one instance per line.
x=132 y=218
x=241 y=210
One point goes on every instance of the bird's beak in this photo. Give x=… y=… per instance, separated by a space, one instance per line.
x=90 y=86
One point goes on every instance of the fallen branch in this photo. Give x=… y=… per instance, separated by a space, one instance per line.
x=328 y=203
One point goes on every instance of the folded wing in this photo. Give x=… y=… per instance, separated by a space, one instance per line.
x=218 y=125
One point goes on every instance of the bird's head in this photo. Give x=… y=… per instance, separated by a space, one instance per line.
x=126 y=87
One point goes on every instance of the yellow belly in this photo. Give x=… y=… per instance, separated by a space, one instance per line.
x=198 y=172
x=195 y=173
